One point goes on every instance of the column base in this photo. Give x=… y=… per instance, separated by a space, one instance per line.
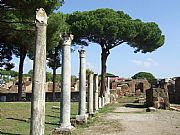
x=91 y=114
x=81 y=119
x=63 y=130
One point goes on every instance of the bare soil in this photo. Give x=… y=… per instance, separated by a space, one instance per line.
x=136 y=121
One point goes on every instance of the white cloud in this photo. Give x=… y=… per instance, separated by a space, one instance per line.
x=137 y=62
x=147 y=63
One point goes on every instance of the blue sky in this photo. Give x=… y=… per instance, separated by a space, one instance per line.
x=123 y=61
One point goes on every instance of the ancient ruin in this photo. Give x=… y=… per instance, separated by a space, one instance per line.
x=82 y=116
x=66 y=85
x=39 y=77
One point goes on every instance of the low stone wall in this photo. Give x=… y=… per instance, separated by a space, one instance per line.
x=8 y=97
x=74 y=96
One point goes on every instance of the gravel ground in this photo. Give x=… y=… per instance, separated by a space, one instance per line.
x=136 y=121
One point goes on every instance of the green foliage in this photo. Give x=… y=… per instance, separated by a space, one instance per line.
x=9 y=72
x=110 y=28
x=30 y=72
x=110 y=74
x=88 y=72
x=144 y=75
x=8 y=75
x=48 y=77
x=5 y=55
x=56 y=27
x=17 y=23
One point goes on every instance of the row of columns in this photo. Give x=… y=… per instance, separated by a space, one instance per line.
x=38 y=89
x=94 y=102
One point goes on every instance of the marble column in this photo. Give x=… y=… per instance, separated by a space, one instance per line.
x=95 y=92
x=102 y=101
x=39 y=76
x=82 y=117
x=90 y=94
x=65 y=124
x=99 y=102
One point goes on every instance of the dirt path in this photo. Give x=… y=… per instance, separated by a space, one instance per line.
x=136 y=121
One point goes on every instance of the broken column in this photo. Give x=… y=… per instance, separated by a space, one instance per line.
x=90 y=94
x=95 y=92
x=82 y=117
x=65 y=124
x=39 y=76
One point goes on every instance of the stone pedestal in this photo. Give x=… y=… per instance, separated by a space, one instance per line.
x=82 y=117
x=95 y=92
x=90 y=94
x=65 y=125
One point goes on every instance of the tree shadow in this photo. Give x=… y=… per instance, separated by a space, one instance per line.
x=5 y=133
x=135 y=105
x=23 y=120
x=50 y=123
x=28 y=121
x=52 y=116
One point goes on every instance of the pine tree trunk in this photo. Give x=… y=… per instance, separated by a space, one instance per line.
x=104 y=56
x=54 y=75
x=21 y=64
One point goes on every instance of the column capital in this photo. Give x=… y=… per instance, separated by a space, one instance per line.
x=82 y=53
x=41 y=17
x=67 y=39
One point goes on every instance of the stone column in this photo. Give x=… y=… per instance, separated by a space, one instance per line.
x=95 y=92
x=66 y=85
x=100 y=102
x=107 y=92
x=39 y=76
x=90 y=94
x=82 y=117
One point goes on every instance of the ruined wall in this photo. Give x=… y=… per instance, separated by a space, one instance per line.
x=158 y=97
x=177 y=90
x=142 y=85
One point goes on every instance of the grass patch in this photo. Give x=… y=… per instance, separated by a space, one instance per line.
x=128 y=99
x=15 y=117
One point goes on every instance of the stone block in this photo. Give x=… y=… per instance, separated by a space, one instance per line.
x=150 y=109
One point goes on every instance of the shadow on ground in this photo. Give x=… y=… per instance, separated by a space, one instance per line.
x=23 y=120
x=28 y=121
x=5 y=133
x=132 y=105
